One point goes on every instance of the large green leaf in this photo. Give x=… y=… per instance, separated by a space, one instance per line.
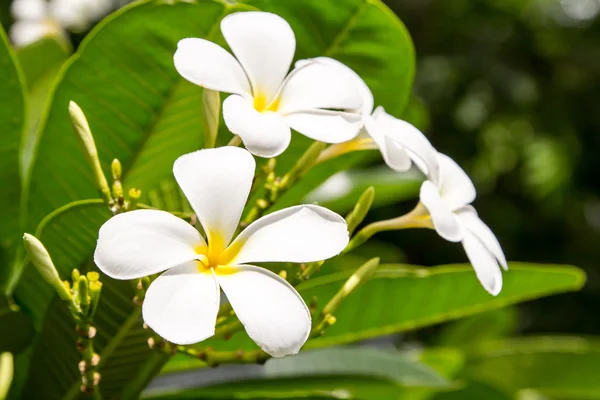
x=558 y=367
x=399 y=298
x=12 y=121
x=364 y=373
x=17 y=330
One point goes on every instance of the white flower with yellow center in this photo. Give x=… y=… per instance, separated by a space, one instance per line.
x=448 y=198
x=318 y=99
x=181 y=305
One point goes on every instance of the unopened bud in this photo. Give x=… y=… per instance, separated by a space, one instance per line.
x=6 y=373
x=43 y=262
x=116 y=169
x=211 y=108
x=362 y=207
x=86 y=141
x=134 y=197
x=83 y=294
x=283 y=274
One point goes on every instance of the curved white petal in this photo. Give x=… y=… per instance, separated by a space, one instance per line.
x=470 y=220
x=316 y=84
x=273 y=313
x=455 y=185
x=326 y=126
x=264 y=134
x=399 y=139
x=363 y=89
x=445 y=222
x=30 y=10
x=264 y=44
x=143 y=242
x=296 y=234
x=23 y=33
x=485 y=265
x=393 y=154
x=182 y=304
x=217 y=183
x=209 y=65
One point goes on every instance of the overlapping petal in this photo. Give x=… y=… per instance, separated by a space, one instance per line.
x=264 y=44
x=445 y=222
x=319 y=85
x=217 y=183
x=455 y=185
x=470 y=220
x=485 y=265
x=296 y=234
x=264 y=134
x=325 y=125
x=143 y=242
x=207 y=64
x=182 y=304
x=272 y=312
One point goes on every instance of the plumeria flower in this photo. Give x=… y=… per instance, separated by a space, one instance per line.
x=317 y=99
x=447 y=199
x=401 y=144
x=36 y=19
x=181 y=305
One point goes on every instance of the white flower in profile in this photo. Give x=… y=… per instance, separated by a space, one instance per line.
x=181 y=305
x=318 y=99
x=448 y=198
x=401 y=144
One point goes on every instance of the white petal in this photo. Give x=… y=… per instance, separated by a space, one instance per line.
x=470 y=220
x=326 y=126
x=31 y=10
x=445 y=222
x=363 y=89
x=296 y=234
x=315 y=84
x=456 y=187
x=485 y=265
x=217 y=183
x=273 y=313
x=264 y=43
x=23 y=33
x=399 y=139
x=182 y=304
x=264 y=134
x=143 y=242
x=209 y=65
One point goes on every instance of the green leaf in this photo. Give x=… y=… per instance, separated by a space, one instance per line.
x=18 y=330
x=398 y=298
x=12 y=121
x=356 y=372
x=558 y=367
x=475 y=390
x=340 y=192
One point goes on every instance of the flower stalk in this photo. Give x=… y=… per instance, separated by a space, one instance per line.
x=211 y=109
x=417 y=218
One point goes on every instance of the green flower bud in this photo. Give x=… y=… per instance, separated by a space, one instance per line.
x=6 y=373
x=86 y=141
x=362 y=207
x=43 y=263
x=116 y=169
x=83 y=295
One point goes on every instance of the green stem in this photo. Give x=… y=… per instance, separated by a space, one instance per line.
x=90 y=377
x=418 y=218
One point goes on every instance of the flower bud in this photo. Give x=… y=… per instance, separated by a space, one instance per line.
x=43 y=263
x=116 y=169
x=211 y=108
x=362 y=207
x=83 y=295
x=86 y=141
x=6 y=373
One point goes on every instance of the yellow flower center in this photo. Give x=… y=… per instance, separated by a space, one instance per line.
x=261 y=105
x=217 y=255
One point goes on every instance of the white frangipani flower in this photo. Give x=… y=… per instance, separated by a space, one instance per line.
x=181 y=305
x=36 y=19
x=448 y=198
x=317 y=99
x=401 y=144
